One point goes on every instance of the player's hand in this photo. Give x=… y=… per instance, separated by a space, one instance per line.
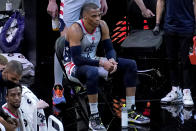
x=12 y=121
x=106 y=65
x=52 y=9
x=115 y=65
x=147 y=13
x=114 y=69
x=104 y=7
x=113 y=61
x=156 y=30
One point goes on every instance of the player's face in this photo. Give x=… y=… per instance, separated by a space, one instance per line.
x=12 y=76
x=14 y=97
x=94 y=17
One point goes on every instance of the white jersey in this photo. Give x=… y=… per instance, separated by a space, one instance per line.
x=31 y=118
x=21 y=118
x=89 y=41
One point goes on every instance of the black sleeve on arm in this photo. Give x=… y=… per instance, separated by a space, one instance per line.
x=80 y=60
x=108 y=46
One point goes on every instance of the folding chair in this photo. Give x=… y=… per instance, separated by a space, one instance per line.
x=77 y=90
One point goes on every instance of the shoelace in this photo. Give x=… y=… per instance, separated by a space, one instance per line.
x=171 y=94
x=136 y=115
x=97 y=120
x=187 y=97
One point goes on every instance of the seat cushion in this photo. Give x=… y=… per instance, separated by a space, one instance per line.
x=142 y=42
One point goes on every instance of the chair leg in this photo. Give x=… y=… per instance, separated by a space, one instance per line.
x=103 y=95
x=83 y=107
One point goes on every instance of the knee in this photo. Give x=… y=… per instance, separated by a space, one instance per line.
x=92 y=74
x=92 y=81
x=131 y=65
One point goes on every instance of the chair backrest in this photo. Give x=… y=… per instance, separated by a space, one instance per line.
x=142 y=43
x=2 y=127
x=59 y=50
x=54 y=124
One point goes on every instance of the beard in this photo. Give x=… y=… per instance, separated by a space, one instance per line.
x=16 y=106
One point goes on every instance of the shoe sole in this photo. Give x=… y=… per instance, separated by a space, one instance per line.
x=96 y=130
x=185 y=105
x=90 y=129
x=172 y=102
x=138 y=122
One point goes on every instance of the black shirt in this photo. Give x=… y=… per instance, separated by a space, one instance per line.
x=179 y=17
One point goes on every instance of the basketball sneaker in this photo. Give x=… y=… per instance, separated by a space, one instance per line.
x=58 y=95
x=95 y=123
x=174 y=96
x=187 y=99
x=136 y=117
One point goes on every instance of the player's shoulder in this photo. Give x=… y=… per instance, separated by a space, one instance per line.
x=75 y=28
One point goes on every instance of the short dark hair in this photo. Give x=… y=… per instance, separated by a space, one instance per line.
x=14 y=66
x=10 y=85
x=86 y=7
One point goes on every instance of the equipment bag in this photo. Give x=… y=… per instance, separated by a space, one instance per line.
x=12 y=33
x=192 y=56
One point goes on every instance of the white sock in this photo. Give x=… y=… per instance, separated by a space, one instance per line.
x=130 y=100
x=93 y=107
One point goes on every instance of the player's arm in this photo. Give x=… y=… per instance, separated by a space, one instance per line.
x=108 y=46
x=8 y=126
x=159 y=10
x=75 y=35
x=107 y=42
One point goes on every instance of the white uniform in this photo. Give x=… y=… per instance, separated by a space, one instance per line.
x=21 y=118
x=31 y=118
x=89 y=41
x=70 y=13
x=89 y=45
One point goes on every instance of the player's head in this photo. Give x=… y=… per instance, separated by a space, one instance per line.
x=13 y=71
x=91 y=14
x=13 y=94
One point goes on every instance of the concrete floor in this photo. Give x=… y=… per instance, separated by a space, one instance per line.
x=16 y=4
